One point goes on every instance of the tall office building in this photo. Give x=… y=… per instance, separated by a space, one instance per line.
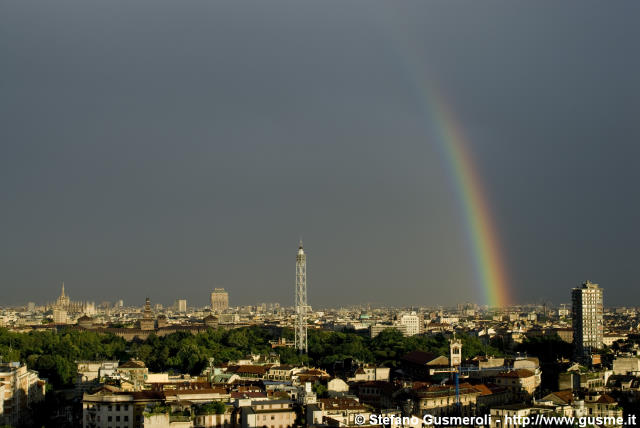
x=587 y=319
x=219 y=300
x=181 y=305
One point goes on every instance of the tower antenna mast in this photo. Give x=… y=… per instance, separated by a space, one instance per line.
x=301 y=301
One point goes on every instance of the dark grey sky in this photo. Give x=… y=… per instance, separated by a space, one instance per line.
x=161 y=148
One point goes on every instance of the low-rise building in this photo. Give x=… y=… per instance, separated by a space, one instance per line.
x=603 y=406
x=518 y=380
x=89 y=373
x=626 y=365
x=249 y=371
x=336 y=412
x=421 y=365
x=370 y=372
x=135 y=372
x=440 y=400
x=109 y=407
x=376 y=393
x=280 y=372
x=609 y=339
x=336 y=387
x=583 y=379
x=512 y=415
x=19 y=389
x=269 y=413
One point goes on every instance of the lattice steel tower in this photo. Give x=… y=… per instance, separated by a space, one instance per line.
x=301 y=300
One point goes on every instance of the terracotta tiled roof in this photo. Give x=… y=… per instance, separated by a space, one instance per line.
x=145 y=395
x=606 y=399
x=247 y=369
x=565 y=395
x=421 y=384
x=132 y=364
x=446 y=390
x=483 y=389
x=340 y=404
x=196 y=391
x=520 y=373
x=316 y=372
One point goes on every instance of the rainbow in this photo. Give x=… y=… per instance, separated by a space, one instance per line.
x=489 y=266
x=488 y=262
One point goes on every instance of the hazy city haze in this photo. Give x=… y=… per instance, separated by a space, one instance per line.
x=161 y=149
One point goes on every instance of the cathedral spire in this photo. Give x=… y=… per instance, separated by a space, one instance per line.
x=62 y=294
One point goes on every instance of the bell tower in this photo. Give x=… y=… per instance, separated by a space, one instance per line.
x=455 y=352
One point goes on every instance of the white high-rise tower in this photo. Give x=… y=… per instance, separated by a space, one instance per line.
x=301 y=300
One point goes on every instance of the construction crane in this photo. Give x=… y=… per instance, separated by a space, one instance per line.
x=459 y=370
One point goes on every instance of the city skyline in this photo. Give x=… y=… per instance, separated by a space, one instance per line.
x=190 y=149
x=215 y=303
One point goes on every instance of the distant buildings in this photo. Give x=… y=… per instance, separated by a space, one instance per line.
x=408 y=323
x=181 y=305
x=147 y=322
x=376 y=329
x=412 y=323
x=160 y=325
x=60 y=316
x=64 y=303
x=587 y=318
x=219 y=300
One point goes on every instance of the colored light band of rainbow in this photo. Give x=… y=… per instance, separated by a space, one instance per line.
x=483 y=237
